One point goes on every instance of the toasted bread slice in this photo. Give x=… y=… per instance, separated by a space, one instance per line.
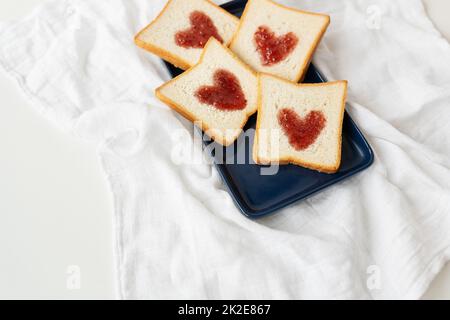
x=278 y=40
x=219 y=93
x=300 y=123
x=183 y=27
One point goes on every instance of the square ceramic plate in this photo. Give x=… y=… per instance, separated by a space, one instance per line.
x=258 y=195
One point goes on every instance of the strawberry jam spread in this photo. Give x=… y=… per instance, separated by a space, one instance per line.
x=302 y=133
x=225 y=94
x=201 y=29
x=271 y=48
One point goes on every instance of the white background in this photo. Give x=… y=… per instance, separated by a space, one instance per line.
x=55 y=206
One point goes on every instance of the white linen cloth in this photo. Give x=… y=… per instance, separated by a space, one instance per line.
x=178 y=233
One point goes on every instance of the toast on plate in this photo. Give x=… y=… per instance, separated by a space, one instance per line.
x=219 y=93
x=278 y=40
x=300 y=123
x=180 y=32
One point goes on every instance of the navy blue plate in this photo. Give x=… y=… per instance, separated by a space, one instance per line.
x=258 y=195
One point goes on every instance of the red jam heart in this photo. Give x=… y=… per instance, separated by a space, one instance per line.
x=271 y=48
x=202 y=28
x=226 y=94
x=302 y=133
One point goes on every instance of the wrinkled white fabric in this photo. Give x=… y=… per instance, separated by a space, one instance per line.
x=381 y=234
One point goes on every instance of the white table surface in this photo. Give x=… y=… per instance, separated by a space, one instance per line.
x=55 y=206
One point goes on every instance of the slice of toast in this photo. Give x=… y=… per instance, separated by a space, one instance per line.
x=219 y=93
x=278 y=40
x=183 y=27
x=300 y=123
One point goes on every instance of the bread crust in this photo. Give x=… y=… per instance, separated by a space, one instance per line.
x=191 y=117
x=293 y=160
x=161 y=52
x=302 y=72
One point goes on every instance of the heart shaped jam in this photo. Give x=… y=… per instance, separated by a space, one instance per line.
x=301 y=133
x=202 y=28
x=271 y=48
x=226 y=94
